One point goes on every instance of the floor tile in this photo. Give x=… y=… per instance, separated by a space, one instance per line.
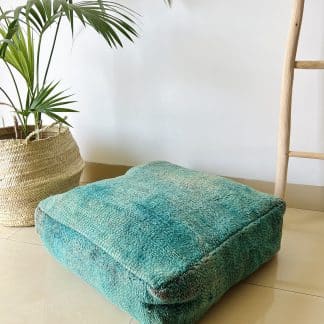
x=35 y=289
x=6 y=231
x=300 y=263
x=22 y=282
x=248 y=304
x=26 y=235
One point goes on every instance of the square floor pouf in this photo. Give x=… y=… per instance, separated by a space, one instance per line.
x=162 y=242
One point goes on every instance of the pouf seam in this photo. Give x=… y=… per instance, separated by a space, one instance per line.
x=122 y=265
x=164 y=286
x=207 y=257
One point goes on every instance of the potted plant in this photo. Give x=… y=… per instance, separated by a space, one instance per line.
x=38 y=160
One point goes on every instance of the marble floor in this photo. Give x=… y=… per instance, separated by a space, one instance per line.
x=35 y=289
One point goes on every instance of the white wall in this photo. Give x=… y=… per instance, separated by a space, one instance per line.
x=200 y=88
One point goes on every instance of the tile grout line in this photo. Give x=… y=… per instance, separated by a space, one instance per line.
x=287 y=290
x=24 y=242
x=14 y=232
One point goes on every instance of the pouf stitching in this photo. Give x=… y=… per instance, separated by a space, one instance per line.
x=163 y=288
x=100 y=234
x=208 y=258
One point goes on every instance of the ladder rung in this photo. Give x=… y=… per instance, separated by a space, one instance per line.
x=307 y=155
x=309 y=65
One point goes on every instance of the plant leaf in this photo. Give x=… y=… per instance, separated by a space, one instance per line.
x=49 y=101
x=109 y=19
x=11 y=31
x=19 y=53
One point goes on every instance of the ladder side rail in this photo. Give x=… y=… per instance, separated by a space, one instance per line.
x=286 y=99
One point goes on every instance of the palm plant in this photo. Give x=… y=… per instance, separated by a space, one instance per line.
x=22 y=31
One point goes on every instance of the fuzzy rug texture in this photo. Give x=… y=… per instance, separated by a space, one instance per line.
x=162 y=242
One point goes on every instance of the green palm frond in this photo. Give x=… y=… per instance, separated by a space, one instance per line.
x=19 y=53
x=111 y=20
x=8 y=33
x=21 y=34
x=50 y=102
x=41 y=14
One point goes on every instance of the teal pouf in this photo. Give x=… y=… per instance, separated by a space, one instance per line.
x=162 y=242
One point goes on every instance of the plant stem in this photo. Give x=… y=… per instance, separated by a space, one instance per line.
x=36 y=116
x=15 y=83
x=7 y=96
x=22 y=122
x=37 y=60
x=6 y=20
x=12 y=105
x=6 y=104
x=16 y=127
x=52 y=50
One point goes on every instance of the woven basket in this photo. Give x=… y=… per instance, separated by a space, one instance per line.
x=31 y=171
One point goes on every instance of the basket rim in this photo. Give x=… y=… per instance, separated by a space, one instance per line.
x=55 y=130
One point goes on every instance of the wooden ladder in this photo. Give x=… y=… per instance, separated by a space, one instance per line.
x=290 y=65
